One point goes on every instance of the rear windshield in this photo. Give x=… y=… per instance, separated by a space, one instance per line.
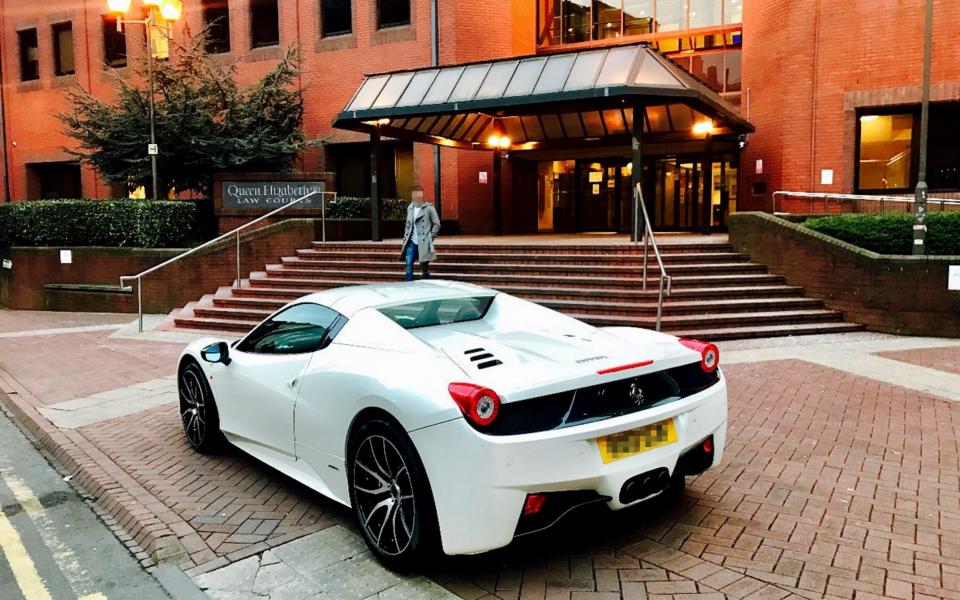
x=438 y=312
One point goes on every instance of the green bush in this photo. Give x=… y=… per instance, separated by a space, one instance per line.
x=134 y=223
x=347 y=207
x=892 y=233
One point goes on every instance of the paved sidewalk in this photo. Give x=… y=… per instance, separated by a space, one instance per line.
x=841 y=479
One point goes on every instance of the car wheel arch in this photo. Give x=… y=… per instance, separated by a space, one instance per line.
x=369 y=413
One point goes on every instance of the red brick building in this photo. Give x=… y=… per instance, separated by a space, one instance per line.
x=829 y=87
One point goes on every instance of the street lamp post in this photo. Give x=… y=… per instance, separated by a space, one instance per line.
x=920 y=213
x=170 y=10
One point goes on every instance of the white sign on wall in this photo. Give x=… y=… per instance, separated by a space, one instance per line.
x=483 y=177
x=953 y=278
x=826 y=177
x=759 y=167
x=66 y=257
x=7 y=263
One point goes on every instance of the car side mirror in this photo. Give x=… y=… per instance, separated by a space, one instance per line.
x=217 y=353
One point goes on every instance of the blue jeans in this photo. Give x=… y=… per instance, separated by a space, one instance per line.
x=412 y=253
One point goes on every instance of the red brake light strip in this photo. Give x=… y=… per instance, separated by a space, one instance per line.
x=625 y=367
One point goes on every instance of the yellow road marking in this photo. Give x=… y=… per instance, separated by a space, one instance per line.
x=62 y=554
x=24 y=571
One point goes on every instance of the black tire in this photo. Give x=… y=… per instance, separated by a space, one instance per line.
x=198 y=411
x=391 y=496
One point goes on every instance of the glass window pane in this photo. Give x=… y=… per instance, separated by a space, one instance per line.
x=705 y=13
x=591 y=119
x=606 y=19
x=497 y=79
x=368 y=92
x=63 y=62
x=417 y=89
x=296 y=330
x=733 y=11
x=732 y=70
x=29 y=60
x=335 y=17
x=613 y=121
x=549 y=25
x=469 y=84
x=551 y=124
x=391 y=13
x=653 y=73
x=571 y=124
x=709 y=68
x=114 y=43
x=265 y=23
x=576 y=21
x=671 y=15
x=428 y=313
x=554 y=74
x=391 y=92
x=216 y=18
x=532 y=126
x=885 y=144
x=442 y=86
x=617 y=66
x=585 y=70
x=657 y=118
x=681 y=117
x=637 y=17
x=525 y=77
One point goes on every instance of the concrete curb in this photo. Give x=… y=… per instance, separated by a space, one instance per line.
x=152 y=537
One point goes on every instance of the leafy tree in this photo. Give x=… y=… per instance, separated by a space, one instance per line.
x=204 y=121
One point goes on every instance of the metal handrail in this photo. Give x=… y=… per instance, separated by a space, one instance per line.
x=876 y=198
x=648 y=240
x=234 y=232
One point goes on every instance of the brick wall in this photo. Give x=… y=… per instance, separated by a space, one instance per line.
x=895 y=294
x=809 y=64
x=22 y=287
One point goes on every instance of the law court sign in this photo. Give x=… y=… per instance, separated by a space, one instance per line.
x=269 y=195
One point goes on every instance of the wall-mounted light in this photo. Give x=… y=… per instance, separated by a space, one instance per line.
x=383 y=121
x=499 y=141
x=703 y=127
x=170 y=10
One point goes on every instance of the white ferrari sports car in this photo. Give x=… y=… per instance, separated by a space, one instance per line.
x=454 y=417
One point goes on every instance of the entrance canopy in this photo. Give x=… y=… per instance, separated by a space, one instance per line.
x=562 y=100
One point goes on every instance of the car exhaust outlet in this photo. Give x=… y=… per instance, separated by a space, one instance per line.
x=644 y=485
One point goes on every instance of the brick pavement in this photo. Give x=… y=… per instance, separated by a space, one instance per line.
x=833 y=486
x=942 y=359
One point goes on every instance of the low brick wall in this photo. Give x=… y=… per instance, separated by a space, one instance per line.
x=894 y=294
x=22 y=287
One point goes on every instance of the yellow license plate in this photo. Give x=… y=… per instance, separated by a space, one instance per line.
x=636 y=441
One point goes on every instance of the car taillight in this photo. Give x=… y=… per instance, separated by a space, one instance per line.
x=477 y=403
x=533 y=504
x=709 y=354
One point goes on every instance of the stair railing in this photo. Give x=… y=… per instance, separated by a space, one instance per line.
x=649 y=241
x=232 y=233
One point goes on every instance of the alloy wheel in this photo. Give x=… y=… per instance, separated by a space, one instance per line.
x=383 y=489
x=193 y=407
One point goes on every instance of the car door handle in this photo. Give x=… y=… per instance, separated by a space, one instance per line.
x=293 y=382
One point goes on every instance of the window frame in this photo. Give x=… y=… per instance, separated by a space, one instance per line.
x=56 y=29
x=884 y=111
x=221 y=23
x=108 y=24
x=261 y=5
x=22 y=52
x=335 y=326
x=391 y=25
x=323 y=21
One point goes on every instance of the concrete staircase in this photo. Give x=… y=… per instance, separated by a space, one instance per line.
x=717 y=294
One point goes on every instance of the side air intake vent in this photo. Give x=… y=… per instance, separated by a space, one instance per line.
x=482 y=358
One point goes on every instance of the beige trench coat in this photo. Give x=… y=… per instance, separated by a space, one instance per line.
x=427 y=227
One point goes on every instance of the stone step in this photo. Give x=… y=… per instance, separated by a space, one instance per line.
x=761 y=331
x=298 y=267
x=360 y=277
x=670 y=322
x=262 y=307
x=669 y=257
x=665 y=246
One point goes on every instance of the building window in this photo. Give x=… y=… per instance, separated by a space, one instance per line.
x=576 y=21
x=29 y=61
x=337 y=18
x=391 y=13
x=114 y=43
x=63 y=63
x=216 y=21
x=885 y=152
x=265 y=19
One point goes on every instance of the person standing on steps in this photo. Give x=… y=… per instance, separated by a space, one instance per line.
x=421 y=229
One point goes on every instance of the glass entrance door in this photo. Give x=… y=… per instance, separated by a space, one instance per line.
x=678 y=188
x=598 y=206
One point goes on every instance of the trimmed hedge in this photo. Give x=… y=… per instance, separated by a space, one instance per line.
x=347 y=207
x=134 y=223
x=892 y=233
